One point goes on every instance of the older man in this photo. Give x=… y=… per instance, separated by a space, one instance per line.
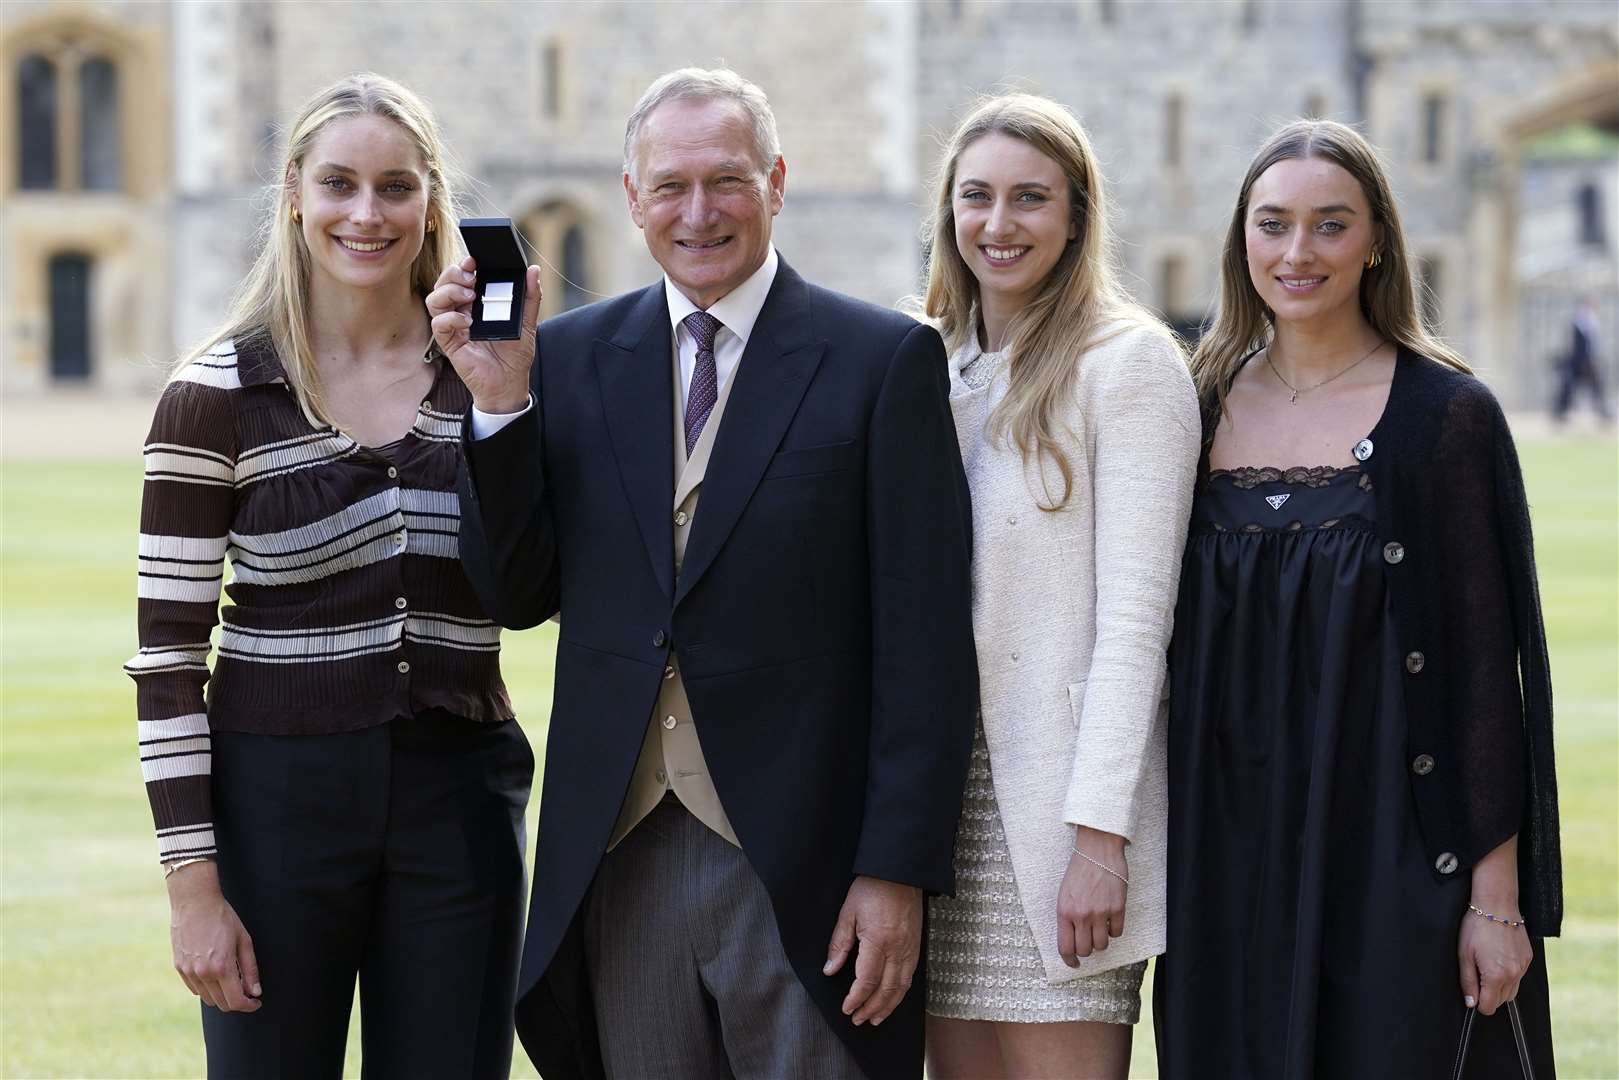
x=764 y=705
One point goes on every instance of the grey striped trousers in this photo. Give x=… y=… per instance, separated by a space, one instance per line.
x=687 y=970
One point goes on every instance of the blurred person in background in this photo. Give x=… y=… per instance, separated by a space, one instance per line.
x=742 y=493
x=1079 y=428
x=349 y=800
x=1581 y=368
x=1363 y=825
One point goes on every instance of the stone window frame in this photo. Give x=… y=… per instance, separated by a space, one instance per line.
x=69 y=39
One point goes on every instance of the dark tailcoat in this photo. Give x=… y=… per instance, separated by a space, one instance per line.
x=821 y=620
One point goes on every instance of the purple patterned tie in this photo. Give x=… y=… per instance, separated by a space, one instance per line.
x=705 y=382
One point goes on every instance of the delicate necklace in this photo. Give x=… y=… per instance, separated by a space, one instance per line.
x=1306 y=389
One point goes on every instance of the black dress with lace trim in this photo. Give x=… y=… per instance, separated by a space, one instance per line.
x=1308 y=935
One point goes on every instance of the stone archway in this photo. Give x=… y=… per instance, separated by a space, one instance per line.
x=1589 y=96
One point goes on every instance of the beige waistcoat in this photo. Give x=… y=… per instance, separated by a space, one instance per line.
x=671 y=755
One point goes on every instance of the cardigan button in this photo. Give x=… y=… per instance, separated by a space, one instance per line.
x=1415 y=662
x=658 y=638
x=1363 y=450
x=1447 y=862
x=1422 y=764
x=1393 y=552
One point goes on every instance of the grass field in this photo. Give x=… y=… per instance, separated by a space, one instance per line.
x=85 y=983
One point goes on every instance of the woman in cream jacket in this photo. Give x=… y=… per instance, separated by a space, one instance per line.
x=1079 y=431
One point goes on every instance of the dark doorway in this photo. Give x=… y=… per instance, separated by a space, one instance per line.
x=70 y=317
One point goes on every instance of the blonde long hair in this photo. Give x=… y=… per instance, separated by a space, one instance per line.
x=1388 y=298
x=273 y=299
x=1079 y=305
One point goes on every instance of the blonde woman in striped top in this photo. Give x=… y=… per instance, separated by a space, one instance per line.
x=348 y=801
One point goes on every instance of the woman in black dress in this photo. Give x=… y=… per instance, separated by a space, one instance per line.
x=1363 y=818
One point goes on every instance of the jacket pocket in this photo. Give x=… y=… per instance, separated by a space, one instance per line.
x=1076 y=700
x=831 y=457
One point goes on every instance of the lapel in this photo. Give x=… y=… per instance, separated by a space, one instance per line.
x=632 y=369
x=775 y=370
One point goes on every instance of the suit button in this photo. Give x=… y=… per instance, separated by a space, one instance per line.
x=1415 y=662
x=1363 y=450
x=680 y=517
x=1446 y=863
x=661 y=776
x=1393 y=552
x=1422 y=764
x=658 y=638
x=669 y=723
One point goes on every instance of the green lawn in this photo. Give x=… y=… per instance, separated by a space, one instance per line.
x=85 y=983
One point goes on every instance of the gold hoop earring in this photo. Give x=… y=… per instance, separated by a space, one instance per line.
x=297 y=216
x=1373 y=260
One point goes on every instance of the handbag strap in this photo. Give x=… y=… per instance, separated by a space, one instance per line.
x=1518 y=1037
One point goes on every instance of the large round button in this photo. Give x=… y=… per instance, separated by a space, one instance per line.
x=393 y=473
x=404 y=667
x=1447 y=862
x=1415 y=661
x=400 y=603
x=1393 y=552
x=1422 y=764
x=658 y=638
x=1363 y=450
x=669 y=723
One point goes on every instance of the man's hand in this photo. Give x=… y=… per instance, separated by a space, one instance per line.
x=885 y=918
x=212 y=950
x=495 y=371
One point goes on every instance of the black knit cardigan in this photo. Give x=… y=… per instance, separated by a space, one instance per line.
x=1454 y=524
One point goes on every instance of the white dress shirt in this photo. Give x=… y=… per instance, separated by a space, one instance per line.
x=737 y=311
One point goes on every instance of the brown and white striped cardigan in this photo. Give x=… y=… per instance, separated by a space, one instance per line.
x=348 y=607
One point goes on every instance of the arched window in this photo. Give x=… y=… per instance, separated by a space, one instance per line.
x=1589 y=203
x=70 y=316
x=36 y=123
x=69 y=117
x=100 y=148
x=557 y=233
x=574 y=272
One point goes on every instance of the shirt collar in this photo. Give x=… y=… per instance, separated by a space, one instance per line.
x=738 y=309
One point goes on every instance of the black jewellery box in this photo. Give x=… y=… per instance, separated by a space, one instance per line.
x=497 y=312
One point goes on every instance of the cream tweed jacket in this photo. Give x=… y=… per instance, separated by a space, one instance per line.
x=1072 y=612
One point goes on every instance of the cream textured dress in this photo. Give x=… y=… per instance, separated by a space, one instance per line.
x=1072 y=612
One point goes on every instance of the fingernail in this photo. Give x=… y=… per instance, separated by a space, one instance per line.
x=826 y=968
x=1470 y=1001
x=257 y=989
x=877 y=1021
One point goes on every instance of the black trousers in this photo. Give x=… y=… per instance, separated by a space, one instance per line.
x=394 y=853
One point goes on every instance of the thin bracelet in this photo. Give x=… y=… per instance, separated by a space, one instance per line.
x=180 y=864
x=1099 y=866
x=1503 y=920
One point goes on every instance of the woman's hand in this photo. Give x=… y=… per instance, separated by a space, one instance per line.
x=1493 y=959
x=1492 y=955
x=212 y=950
x=1090 y=903
x=495 y=371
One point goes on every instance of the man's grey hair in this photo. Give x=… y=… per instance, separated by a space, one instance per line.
x=704 y=84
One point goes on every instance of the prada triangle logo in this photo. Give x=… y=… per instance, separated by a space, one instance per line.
x=1276 y=501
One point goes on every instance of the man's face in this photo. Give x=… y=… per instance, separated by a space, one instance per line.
x=702 y=198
